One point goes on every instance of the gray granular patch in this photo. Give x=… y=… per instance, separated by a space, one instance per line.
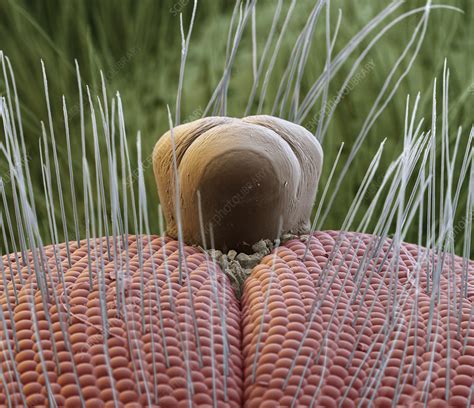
x=239 y=265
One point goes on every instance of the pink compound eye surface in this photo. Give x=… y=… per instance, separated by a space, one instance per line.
x=353 y=323
x=128 y=332
x=357 y=326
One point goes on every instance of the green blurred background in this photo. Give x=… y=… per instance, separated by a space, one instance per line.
x=137 y=44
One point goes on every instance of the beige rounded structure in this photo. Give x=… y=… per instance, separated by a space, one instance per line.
x=254 y=178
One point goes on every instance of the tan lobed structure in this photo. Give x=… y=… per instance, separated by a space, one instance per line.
x=253 y=178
